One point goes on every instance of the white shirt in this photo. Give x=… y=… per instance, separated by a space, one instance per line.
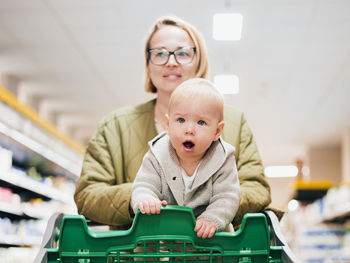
x=188 y=180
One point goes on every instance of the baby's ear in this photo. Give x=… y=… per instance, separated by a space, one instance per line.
x=219 y=130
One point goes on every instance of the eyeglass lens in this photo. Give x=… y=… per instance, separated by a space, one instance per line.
x=182 y=55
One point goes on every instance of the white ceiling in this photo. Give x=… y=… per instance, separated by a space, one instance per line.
x=76 y=60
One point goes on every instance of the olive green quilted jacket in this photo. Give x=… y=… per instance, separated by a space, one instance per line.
x=115 y=152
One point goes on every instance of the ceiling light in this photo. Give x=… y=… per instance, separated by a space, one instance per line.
x=227 y=26
x=281 y=171
x=227 y=84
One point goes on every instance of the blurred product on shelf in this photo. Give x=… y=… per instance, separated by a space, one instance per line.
x=346 y=242
x=321 y=243
x=21 y=232
x=337 y=202
x=39 y=209
x=7 y=196
x=5 y=160
x=320 y=231
x=18 y=254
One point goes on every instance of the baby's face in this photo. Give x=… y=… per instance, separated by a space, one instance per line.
x=193 y=126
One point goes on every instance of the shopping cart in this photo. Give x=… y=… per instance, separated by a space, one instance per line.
x=168 y=236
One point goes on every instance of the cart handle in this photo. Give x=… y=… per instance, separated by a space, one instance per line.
x=50 y=236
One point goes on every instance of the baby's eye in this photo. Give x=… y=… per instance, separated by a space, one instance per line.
x=201 y=122
x=181 y=120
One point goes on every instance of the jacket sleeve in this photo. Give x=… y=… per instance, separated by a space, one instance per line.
x=254 y=189
x=224 y=202
x=147 y=183
x=102 y=194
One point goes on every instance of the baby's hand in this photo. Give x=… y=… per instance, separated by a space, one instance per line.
x=151 y=206
x=205 y=228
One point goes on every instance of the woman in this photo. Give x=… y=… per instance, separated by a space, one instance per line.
x=174 y=52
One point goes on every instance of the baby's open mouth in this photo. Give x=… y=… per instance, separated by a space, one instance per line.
x=188 y=144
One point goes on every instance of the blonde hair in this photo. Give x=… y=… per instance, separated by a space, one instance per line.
x=198 y=88
x=201 y=52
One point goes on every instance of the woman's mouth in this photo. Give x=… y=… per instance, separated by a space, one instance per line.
x=172 y=76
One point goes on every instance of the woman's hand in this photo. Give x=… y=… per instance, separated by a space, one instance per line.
x=151 y=206
x=205 y=228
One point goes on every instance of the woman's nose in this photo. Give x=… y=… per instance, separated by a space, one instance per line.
x=172 y=60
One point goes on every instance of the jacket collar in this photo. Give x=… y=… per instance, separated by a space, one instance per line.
x=166 y=155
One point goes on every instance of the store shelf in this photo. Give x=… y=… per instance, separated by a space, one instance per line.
x=30 y=114
x=25 y=149
x=14 y=240
x=309 y=191
x=19 y=179
x=11 y=211
x=340 y=215
x=320 y=229
x=21 y=211
x=30 y=137
x=38 y=170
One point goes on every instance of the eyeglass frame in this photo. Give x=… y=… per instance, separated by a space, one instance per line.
x=171 y=53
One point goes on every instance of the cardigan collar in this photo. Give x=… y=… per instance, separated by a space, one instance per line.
x=166 y=155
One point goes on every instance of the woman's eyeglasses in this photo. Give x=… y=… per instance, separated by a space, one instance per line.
x=160 y=56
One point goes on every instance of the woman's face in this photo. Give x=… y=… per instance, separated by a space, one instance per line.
x=168 y=76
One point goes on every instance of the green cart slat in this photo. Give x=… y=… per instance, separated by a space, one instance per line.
x=168 y=236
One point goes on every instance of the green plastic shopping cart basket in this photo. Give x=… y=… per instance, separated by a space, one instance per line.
x=168 y=236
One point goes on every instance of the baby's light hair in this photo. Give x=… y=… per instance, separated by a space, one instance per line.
x=198 y=88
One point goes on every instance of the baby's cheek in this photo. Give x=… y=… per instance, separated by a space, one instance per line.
x=176 y=141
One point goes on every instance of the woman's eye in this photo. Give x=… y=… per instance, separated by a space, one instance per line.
x=201 y=122
x=181 y=120
x=182 y=54
x=160 y=54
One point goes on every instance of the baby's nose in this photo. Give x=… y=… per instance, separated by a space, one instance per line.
x=189 y=127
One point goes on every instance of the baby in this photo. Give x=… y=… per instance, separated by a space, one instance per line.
x=190 y=164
